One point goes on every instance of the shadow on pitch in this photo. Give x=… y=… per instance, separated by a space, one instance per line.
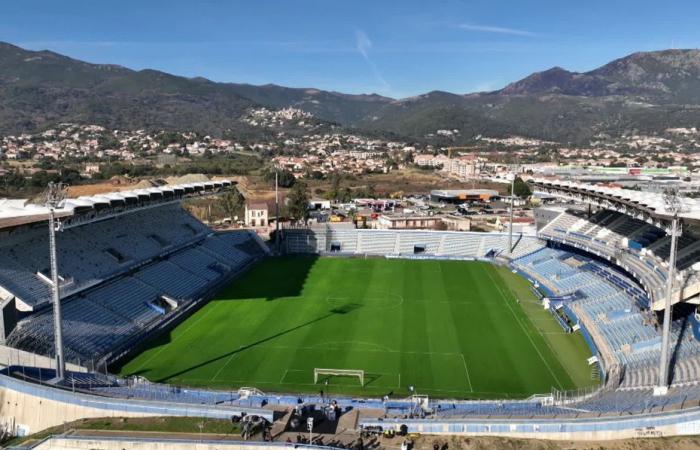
x=344 y=309
x=276 y=277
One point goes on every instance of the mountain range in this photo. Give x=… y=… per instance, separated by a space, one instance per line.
x=644 y=92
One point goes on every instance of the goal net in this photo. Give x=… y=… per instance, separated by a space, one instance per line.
x=340 y=373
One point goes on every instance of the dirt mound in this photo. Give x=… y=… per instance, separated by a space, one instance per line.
x=189 y=178
x=144 y=184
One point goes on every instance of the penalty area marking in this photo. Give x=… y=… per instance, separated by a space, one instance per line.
x=469 y=380
x=342 y=344
x=320 y=347
x=225 y=364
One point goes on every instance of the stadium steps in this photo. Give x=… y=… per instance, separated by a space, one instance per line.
x=348 y=421
x=441 y=246
x=280 y=426
x=553 y=223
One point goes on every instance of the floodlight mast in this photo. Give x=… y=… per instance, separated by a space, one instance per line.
x=512 y=206
x=55 y=195
x=277 y=213
x=674 y=206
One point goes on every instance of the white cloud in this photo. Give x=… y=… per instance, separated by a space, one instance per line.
x=497 y=30
x=485 y=86
x=363 y=44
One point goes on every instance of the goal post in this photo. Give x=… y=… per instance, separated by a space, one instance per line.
x=340 y=373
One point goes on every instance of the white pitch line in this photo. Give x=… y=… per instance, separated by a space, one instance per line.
x=469 y=380
x=325 y=345
x=331 y=346
x=505 y=300
x=546 y=340
x=284 y=376
x=225 y=364
x=174 y=340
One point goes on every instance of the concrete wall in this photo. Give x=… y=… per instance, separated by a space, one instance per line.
x=87 y=443
x=29 y=414
x=13 y=356
x=676 y=423
x=28 y=408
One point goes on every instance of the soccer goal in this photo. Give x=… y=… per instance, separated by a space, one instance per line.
x=340 y=373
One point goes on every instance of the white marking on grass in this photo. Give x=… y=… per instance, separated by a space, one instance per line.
x=377 y=350
x=174 y=340
x=225 y=364
x=284 y=375
x=517 y=319
x=286 y=372
x=546 y=341
x=343 y=344
x=447 y=302
x=469 y=380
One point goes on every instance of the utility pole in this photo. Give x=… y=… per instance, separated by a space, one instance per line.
x=674 y=206
x=512 y=206
x=55 y=195
x=277 y=214
x=310 y=425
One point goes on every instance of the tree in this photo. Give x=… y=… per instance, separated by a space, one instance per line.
x=337 y=192
x=233 y=203
x=365 y=192
x=521 y=189
x=298 y=201
x=285 y=177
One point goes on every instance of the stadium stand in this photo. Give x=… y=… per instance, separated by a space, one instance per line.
x=613 y=307
x=91 y=254
x=128 y=274
x=332 y=239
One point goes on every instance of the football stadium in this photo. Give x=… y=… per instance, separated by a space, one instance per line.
x=125 y=305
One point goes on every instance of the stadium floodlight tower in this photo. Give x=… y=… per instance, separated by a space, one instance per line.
x=512 y=206
x=674 y=206
x=55 y=195
x=277 y=213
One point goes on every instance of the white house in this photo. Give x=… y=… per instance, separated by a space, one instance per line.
x=256 y=214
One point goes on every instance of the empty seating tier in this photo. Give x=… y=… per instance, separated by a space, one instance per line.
x=122 y=277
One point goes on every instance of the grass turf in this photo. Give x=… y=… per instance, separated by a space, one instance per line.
x=448 y=328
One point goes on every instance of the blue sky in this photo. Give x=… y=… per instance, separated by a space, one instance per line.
x=396 y=48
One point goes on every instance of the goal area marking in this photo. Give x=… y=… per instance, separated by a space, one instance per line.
x=340 y=373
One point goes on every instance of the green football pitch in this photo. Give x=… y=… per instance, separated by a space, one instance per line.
x=448 y=328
